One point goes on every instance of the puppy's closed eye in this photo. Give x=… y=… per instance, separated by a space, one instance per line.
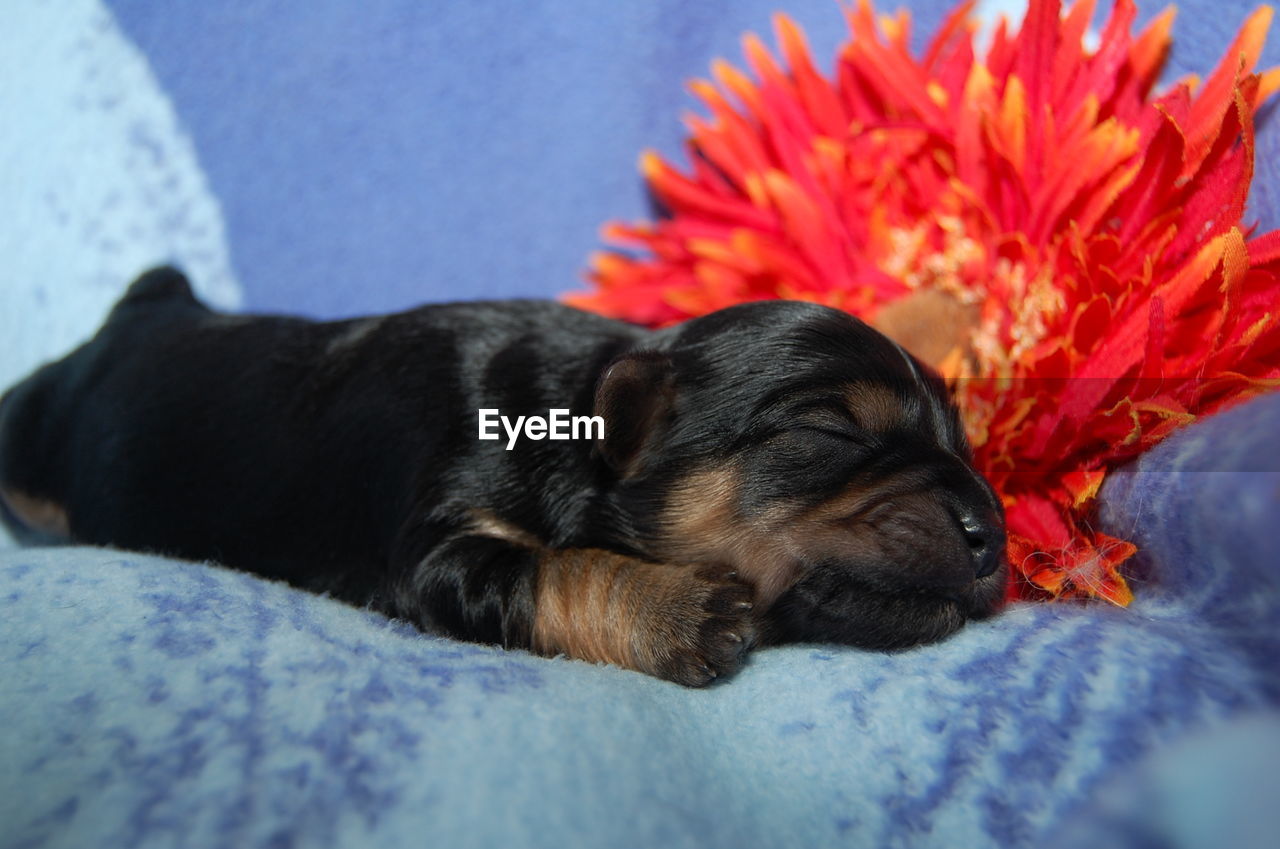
x=806 y=463
x=813 y=443
x=807 y=442
x=826 y=429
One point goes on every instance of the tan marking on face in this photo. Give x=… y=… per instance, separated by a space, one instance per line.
x=837 y=529
x=769 y=550
x=486 y=524
x=39 y=514
x=851 y=504
x=874 y=406
x=703 y=524
x=848 y=528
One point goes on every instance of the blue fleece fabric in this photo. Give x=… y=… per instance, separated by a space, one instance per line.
x=348 y=159
x=149 y=702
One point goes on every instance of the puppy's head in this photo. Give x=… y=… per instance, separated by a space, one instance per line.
x=816 y=457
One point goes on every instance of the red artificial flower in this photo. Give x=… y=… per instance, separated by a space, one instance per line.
x=1070 y=244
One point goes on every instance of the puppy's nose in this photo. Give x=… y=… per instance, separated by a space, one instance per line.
x=984 y=533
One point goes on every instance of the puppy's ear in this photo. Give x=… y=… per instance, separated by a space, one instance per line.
x=635 y=397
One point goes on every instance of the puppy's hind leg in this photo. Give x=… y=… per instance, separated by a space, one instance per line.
x=34 y=521
x=39 y=416
x=31 y=516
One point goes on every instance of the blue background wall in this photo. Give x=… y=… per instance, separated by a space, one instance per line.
x=371 y=156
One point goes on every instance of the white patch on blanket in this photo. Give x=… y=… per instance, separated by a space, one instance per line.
x=99 y=183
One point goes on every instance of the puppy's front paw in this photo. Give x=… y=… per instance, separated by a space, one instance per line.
x=683 y=623
x=703 y=630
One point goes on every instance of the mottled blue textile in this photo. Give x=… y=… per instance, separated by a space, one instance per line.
x=155 y=703
x=1215 y=789
x=350 y=158
x=369 y=156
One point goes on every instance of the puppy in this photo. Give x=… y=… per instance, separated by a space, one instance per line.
x=773 y=472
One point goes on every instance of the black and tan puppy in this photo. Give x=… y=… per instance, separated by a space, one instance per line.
x=772 y=472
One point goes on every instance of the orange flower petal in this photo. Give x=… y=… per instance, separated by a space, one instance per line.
x=1094 y=230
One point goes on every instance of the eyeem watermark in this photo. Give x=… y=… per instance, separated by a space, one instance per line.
x=558 y=425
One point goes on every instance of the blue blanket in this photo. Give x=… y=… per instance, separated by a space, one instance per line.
x=465 y=150
x=155 y=703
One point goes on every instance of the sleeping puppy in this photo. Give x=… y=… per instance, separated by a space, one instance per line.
x=773 y=472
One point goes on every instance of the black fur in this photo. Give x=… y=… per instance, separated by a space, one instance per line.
x=343 y=456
